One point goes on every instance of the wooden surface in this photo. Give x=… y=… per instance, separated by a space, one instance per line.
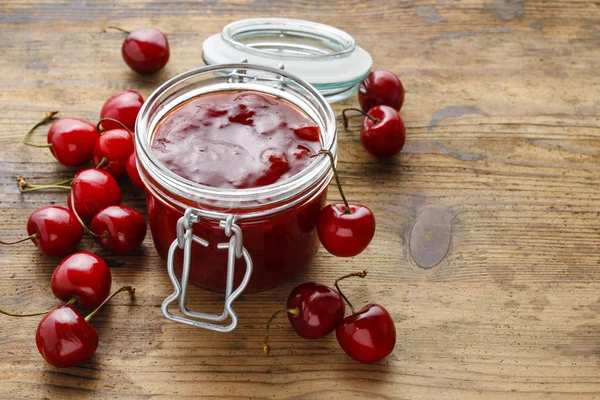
x=487 y=251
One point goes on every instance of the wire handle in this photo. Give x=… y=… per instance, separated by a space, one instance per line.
x=235 y=249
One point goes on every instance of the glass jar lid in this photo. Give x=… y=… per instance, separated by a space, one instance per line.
x=326 y=57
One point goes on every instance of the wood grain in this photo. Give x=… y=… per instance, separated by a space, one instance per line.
x=502 y=113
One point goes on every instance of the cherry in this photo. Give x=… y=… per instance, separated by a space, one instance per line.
x=119 y=229
x=368 y=335
x=122 y=106
x=71 y=140
x=133 y=172
x=345 y=230
x=82 y=275
x=382 y=132
x=54 y=230
x=65 y=339
x=112 y=151
x=381 y=87
x=320 y=308
x=314 y=311
x=93 y=190
x=145 y=50
x=346 y=233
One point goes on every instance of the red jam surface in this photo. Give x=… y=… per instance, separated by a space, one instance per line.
x=236 y=140
x=239 y=140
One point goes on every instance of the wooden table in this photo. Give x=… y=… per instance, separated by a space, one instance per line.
x=487 y=251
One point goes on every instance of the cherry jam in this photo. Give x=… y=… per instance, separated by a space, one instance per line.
x=239 y=140
x=236 y=140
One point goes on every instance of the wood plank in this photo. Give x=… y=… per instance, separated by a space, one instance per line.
x=503 y=125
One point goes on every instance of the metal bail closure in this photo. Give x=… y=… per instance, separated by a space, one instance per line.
x=241 y=75
x=235 y=248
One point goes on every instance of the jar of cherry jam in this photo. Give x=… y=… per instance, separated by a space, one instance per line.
x=229 y=155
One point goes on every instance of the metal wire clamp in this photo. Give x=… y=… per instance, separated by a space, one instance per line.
x=235 y=248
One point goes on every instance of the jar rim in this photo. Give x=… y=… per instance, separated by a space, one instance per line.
x=322 y=41
x=257 y=197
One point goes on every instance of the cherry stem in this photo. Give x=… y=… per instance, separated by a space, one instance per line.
x=294 y=311
x=114 y=27
x=25 y=186
x=345 y=117
x=102 y=163
x=337 y=180
x=100 y=129
x=34 y=236
x=47 y=117
x=129 y=289
x=72 y=301
x=337 y=286
x=88 y=230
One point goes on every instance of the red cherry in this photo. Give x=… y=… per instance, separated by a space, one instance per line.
x=368 y=335
x=54 y=230
x=123 y=106
x=72 y=141
x=314 y=310
x=320 y=308
x=146 y=50
x=132 y=171
x=119 y=229
x=382 y=132
x=116 y=146
x=381 y=87
x=308 y=133
x=346 y=234
x=64 y=338
x=345 y=230
x=92 y=190
x=82 y=275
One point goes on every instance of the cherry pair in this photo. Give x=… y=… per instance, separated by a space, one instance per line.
x=114 y=150
x=96 y=196
x=117 y=228
x=381 y=96
x=74 y=142
x=114 y=153
x=315 y=311
x=63 y=338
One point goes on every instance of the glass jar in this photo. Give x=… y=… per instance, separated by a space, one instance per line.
x=221 y=238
